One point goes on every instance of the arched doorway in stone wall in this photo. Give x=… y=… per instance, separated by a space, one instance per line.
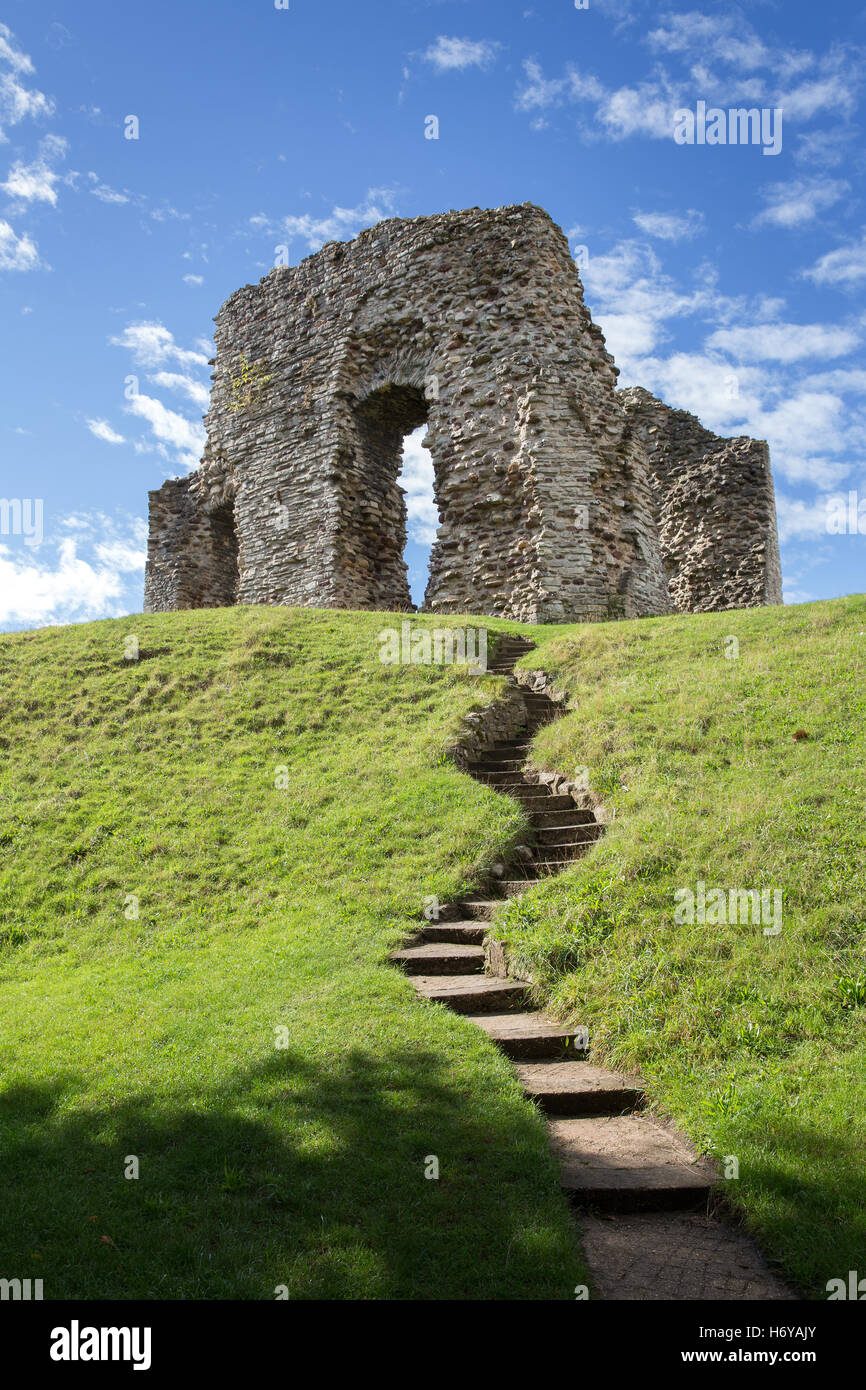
x=373 y=532
x=224 y=570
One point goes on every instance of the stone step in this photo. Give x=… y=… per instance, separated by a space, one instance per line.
x=471 y=994
x=544 y=867
x=480 y=909
x=465 y=931
x=508 y=777
x=494 y=758
x=548 y=837
x=545 y=864
x=440 y=958
x=563 y=820
x=525 y=1035
x=513 y=887
x=576 y=1088
x=628 y=1163
x=501 y=767
x=543 y=805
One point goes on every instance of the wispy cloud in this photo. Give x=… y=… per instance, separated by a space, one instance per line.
x=340 y=224
x=36 y=182
x=670 y=226
x=104 y=192
x=17 y=252
x=798 y=202
x=842 y=268
x=784 y=342
x=716 y=58
x=187 y=436
x=453 y=54
x=17 y=101
x=152 y=345
x=178 y=438
x=103 y=430
x=197 y=392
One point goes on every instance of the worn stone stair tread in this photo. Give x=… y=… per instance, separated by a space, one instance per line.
x=482 y=909
x=526 y=1034
x=471 y=932
x=439 y=958
x=471 y=993
x=578 y=1087
x=628 y=1161
x=546 y=804
x=676 y=1255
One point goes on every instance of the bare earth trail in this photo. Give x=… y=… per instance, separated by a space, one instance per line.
x=642 y=1196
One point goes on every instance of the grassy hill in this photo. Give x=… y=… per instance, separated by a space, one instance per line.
x=206 y=854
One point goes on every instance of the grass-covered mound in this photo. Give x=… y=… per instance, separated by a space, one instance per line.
x=199 y=849
x=738 y=764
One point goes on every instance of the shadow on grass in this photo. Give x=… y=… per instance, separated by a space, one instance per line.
x=293 y=1173
x=811 y=1204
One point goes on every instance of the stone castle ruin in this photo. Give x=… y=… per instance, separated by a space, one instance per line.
x=559 y=498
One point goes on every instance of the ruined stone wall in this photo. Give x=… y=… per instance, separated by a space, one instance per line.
x=474 y=321
x=716 y=507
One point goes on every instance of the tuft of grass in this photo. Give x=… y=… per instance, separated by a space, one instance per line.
x=739 y=764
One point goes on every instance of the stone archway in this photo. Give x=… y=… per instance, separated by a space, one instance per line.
x=372 y=537
x=477 y=317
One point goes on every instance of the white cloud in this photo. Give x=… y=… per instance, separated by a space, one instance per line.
x=632 y=298
x=450 y=54
x=152 y=344
x=104 y=193
x=340 y=224
x=16 y=253
x=32 y=183
x=103 y=430
x=187 y=436
x=798 y=518
x=670 y=226
x=824 y=147
x=793 y=204
x=784 y=342
x=193 y=279
x=176 y=381
x=645 y=109
x=721 y=37
x=721 y=61
x=844 y=267
x=17 y=101
x=19 y=62
x=416 y=477
x=841 y=379
x=812 y=433
x=72 y=586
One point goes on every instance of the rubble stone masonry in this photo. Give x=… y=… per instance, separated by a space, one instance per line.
x=716 y=507
x=473 y=323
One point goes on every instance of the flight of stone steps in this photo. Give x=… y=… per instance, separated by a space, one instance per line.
x=611 y=1155
x=613 y=1158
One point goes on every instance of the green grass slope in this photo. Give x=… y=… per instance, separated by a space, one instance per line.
x=209 y=852
x=742 y=765
x=201 y=848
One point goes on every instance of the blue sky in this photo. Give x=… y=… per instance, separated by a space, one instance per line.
x=729 y=282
